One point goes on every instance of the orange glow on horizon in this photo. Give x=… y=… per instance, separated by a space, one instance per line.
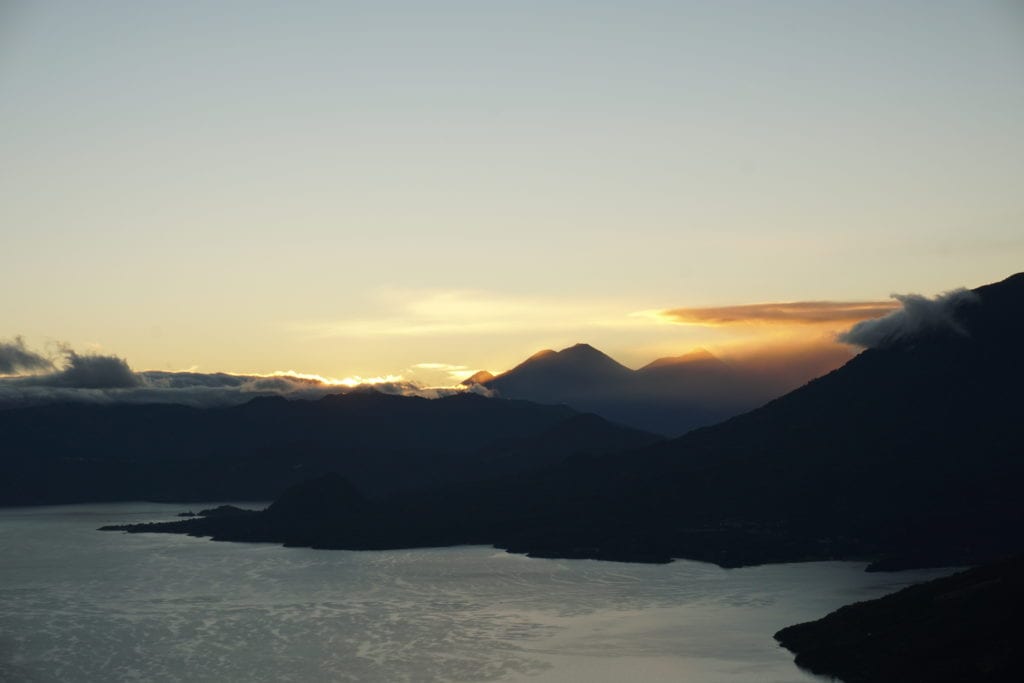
x=353 y=381
x=775 y=314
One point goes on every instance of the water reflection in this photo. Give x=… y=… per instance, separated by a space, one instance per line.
x=77 y=604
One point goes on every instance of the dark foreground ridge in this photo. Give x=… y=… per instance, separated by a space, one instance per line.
x=76 y=452
x=965 y=627
x=912 y=454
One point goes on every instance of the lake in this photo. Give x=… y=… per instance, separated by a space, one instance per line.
x=77 y=604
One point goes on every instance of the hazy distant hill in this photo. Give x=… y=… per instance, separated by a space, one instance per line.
x=913 y=453
x=60 y=453
x=573 y=373
x=668 y=396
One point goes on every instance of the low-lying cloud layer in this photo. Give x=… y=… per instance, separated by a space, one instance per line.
x=919 y=315
x=788 y=313
x=100 y=378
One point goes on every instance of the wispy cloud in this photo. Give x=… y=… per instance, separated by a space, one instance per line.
x=455 y=313
x=16 y=357
x=452 y=372
x=787 y=313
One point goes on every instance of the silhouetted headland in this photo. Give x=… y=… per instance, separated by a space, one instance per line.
x=965 y=627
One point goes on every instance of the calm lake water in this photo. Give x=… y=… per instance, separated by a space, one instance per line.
x=82 y=605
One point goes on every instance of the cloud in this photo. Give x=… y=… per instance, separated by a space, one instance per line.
x=96 y=378
x=15 y=357
x=479 y=389
x=454 y=373
x=788 y=313
x=918 y=315
x=80 y=371
x=96 y=372
x=439 y=366
x=457 y=313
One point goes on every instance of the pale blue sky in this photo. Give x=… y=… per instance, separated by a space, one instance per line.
x=255 y=186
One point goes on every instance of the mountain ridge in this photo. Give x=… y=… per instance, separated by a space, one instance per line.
x=81 y=452
x=911 y=455
x=669 y=395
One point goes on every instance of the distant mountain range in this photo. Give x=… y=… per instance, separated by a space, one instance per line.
x=80 y=452
x=911 y=454
x=669 y=396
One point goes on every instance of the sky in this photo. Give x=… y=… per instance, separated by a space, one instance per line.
x=418 y=189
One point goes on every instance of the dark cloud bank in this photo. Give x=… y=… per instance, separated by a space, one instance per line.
x=32 y=379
